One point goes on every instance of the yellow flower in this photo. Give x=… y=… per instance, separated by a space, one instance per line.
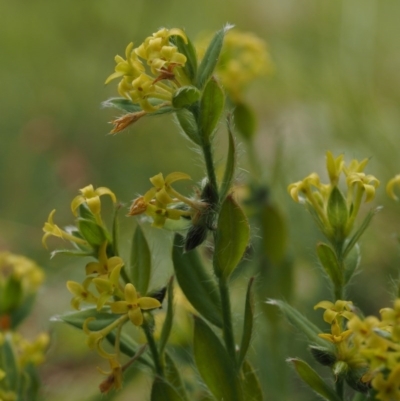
x=133 y=305
x=32 y=352
x=91 y=197
x=81 y=293
x=114 y=377
x=159 y=52
x=95 y=338
x=107 y=287
x=335 y=310
x=105 y=265
x=51 y=229
x=131 y=67
x=388 y=388
x=338 y=336
x=391 y=317
x=355 y=166
x=363 y=183
x=390 y=187
x=155 y=201
x=334 y=167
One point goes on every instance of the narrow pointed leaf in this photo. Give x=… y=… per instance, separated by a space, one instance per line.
x=337 y=210
x=174 y=377
x=163 y=391
x=189 y=51
x=196 y=283
x=301 y=323
x=167 y=326
x=76 y=319
x=23 y=310
x=231 y=239
x=71 y=252
x=245 y=121
x=188 y=124
x=247 y=323
x=250 y=384
x=185 y=96
x=312 y=378
x=230 y=163
x=211 y=57
x=329 y=262
x=217 y=372
x=86 y=213
x=211 y=108
x=140 y=262
x=364 y=225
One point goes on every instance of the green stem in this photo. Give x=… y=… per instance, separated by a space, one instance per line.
x=227 y=328
x=153 y=348
x=339 y=386
x=208 y=158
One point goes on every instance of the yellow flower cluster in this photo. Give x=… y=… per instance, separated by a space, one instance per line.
x=360 y=187
x=368 y=343
x=162 y=201
x=165 y=76
x=21 y=269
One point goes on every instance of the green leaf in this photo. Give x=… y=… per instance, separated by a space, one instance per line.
x=211 y=56
x=23 y=310
x=351 y=263
x=329 y=262
x=185 y=96
x=30 y=384
x=300 y=322
x=364 y=225
x=247 y=323
x=274 y=233
x=211 y=108
x=231 y=238
x=230 y=163
x=312 y=378
x=214 y=363
x=9 y=362
x=196 y=283
x=123 y=104
x=11 y=294
x=173 y=376
x=250 y=383
x=140 y=261
x=245 y=121
x=189 y=51
x=85 y=213
x=163 y=391
x=337 y=212
x=76 y=319
x=188 y=124
x=92 y=232
x=167 y=326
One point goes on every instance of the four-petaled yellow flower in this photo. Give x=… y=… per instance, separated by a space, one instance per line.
x=133 y=305
x=334 y=167
x=81 y=293
x=338 y=336
x=335 y=310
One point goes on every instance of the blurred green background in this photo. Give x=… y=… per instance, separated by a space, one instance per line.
x=336 y=86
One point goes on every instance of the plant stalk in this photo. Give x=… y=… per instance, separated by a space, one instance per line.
x=153 y=348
